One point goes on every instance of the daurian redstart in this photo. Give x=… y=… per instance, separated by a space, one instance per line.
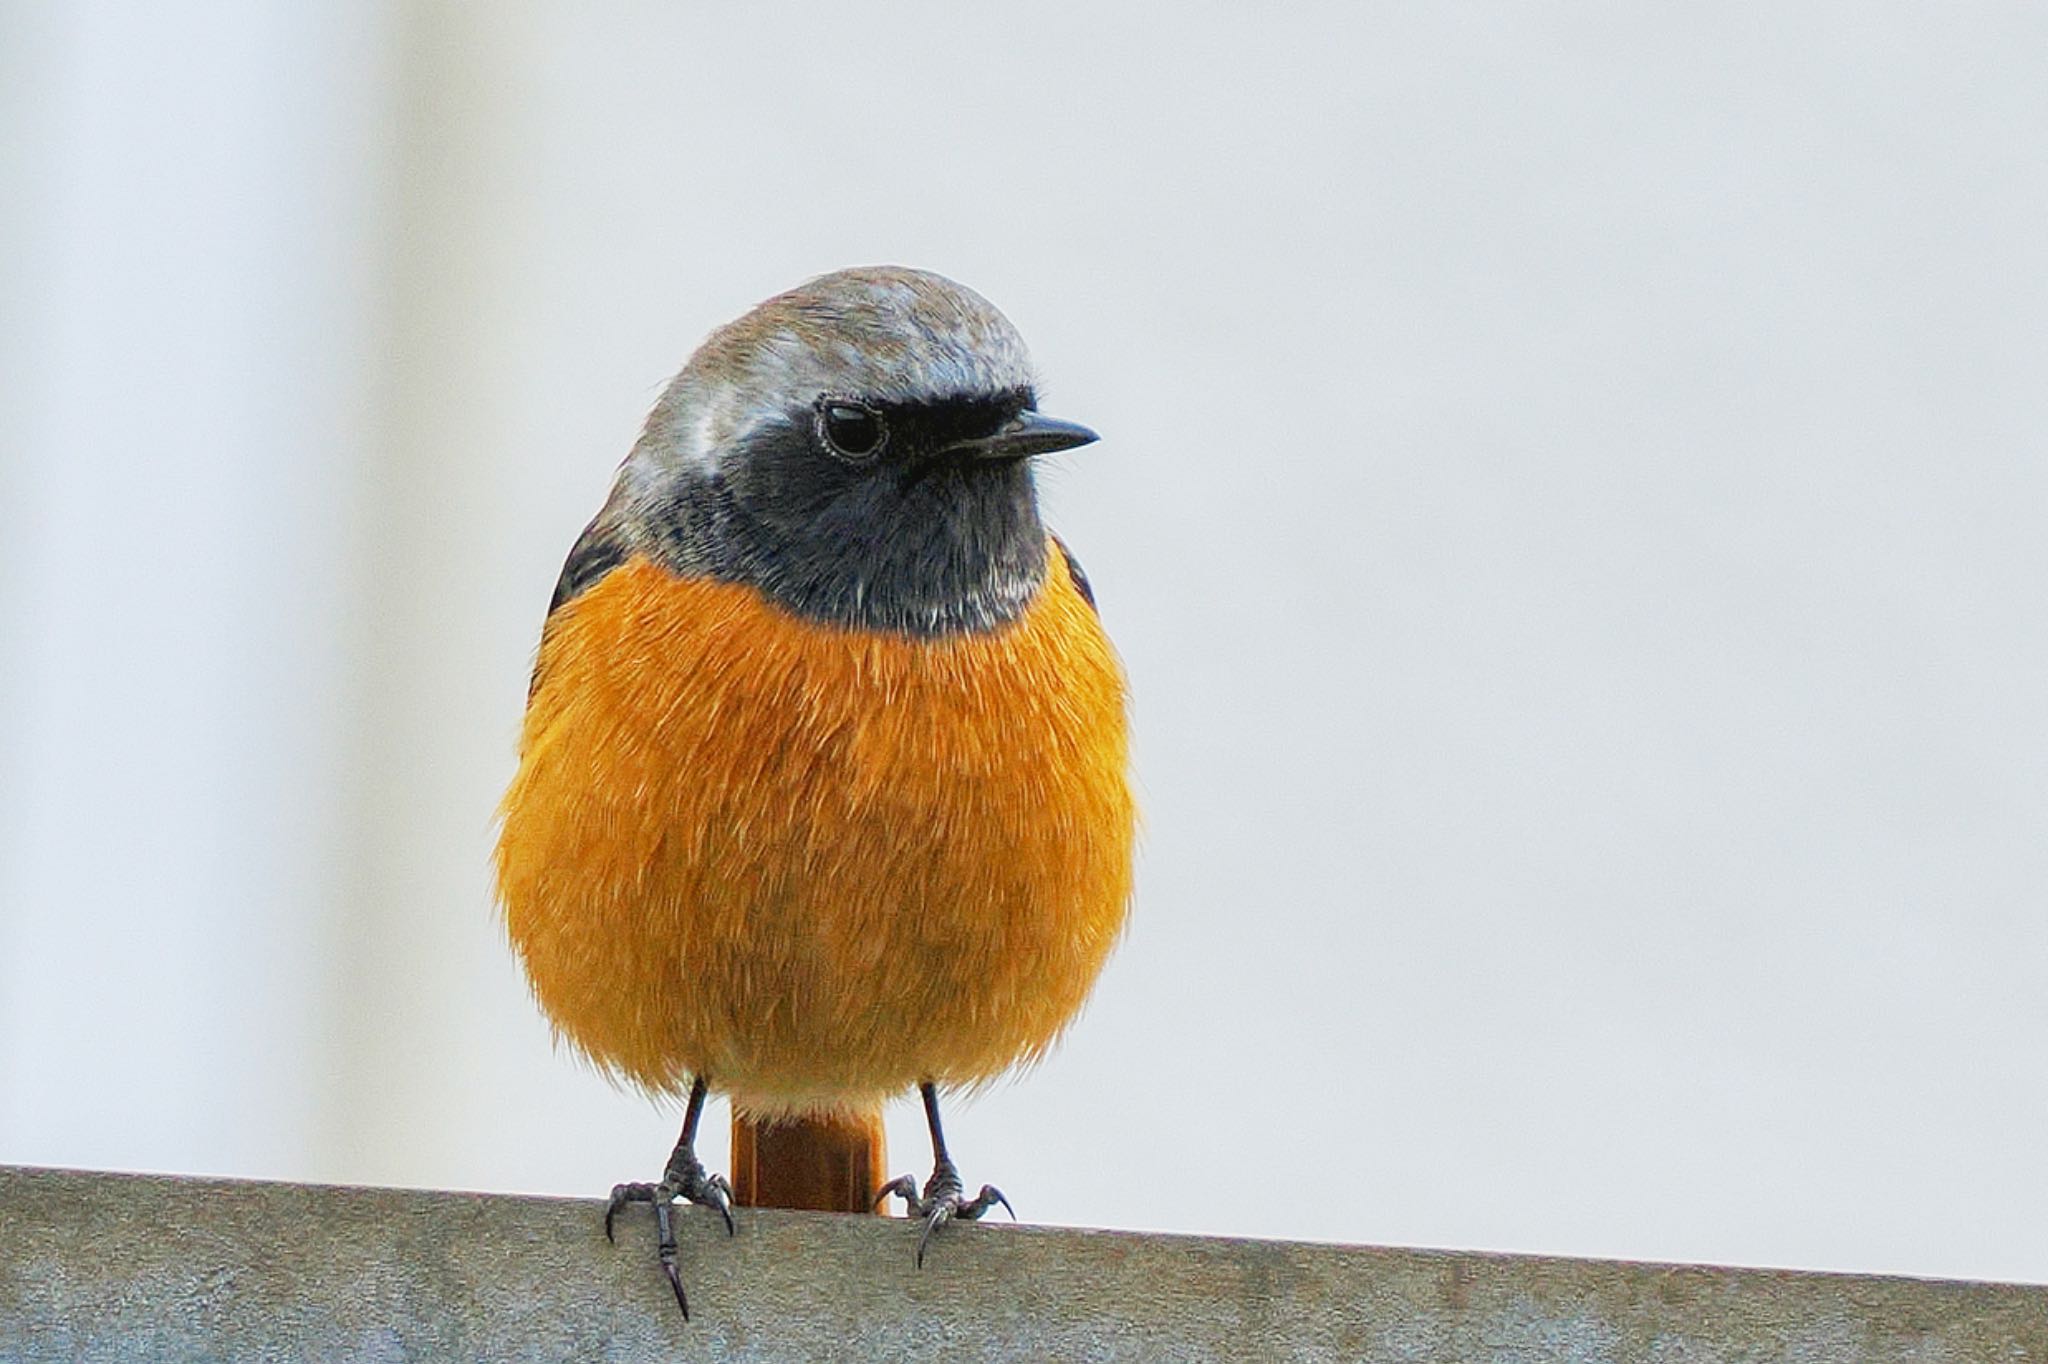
x=822 y=788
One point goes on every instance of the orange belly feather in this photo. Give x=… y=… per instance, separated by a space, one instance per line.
x=818 y=865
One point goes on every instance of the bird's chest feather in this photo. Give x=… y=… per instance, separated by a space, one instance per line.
x=776 y=812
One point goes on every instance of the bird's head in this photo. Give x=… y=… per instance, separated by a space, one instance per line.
x=859 y=450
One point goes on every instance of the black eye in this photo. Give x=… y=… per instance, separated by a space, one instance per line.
x=851 y=429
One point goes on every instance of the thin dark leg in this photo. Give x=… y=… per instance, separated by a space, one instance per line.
x=940 y=1202
x=684 y=1178
x=931 y=1120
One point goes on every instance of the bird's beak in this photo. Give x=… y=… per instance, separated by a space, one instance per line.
x=1027 y=434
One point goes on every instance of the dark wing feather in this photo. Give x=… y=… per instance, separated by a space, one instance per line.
x=1081 y=583
x=596 y=552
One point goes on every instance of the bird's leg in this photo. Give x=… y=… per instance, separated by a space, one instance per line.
x=684 y=1178
x=941 y=1200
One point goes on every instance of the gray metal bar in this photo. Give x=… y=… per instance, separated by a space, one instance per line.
x=139 y=1268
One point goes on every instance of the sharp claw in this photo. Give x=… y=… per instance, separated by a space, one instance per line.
x=684 y=1177
x=721 y=1191
x=941 y=1213
x=714 y=1190
x=989 y=1196
x=903 y=1187
x=941 y=1203
x=666 y=1250
x=675 y=1281
x=622 y=1194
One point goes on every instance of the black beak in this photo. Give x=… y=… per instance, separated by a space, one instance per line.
x=1028 y=434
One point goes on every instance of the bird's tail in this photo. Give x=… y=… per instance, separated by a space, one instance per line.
x=825 y=1164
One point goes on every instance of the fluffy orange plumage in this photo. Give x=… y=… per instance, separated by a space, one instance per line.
x=821 y=865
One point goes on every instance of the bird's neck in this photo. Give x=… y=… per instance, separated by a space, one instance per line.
x=954 y=552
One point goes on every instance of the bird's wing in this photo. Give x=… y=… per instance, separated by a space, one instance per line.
x=597 y=551
x=1081 y=583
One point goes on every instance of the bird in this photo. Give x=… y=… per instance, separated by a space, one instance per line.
x=823 y=791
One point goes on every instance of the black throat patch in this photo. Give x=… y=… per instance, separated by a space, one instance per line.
x=921 y=538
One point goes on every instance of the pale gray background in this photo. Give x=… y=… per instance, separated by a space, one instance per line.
x=1571 y=504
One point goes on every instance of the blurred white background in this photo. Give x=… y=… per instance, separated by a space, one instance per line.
x=1572 y=506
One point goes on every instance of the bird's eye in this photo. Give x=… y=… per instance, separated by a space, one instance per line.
x=851 y=430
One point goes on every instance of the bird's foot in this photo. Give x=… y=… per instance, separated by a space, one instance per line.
x=942 y=1201
x=686 y=1179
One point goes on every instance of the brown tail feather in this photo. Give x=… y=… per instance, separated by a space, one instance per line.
x=823 y=1164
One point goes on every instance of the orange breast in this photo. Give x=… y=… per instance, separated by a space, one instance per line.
x=819 y=865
